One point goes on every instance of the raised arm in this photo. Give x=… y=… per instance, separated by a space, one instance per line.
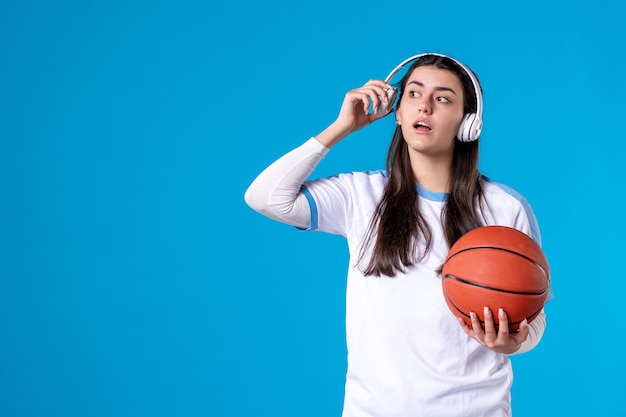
x=276 y=194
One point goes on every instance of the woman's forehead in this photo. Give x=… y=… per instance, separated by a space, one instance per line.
x=432 y=75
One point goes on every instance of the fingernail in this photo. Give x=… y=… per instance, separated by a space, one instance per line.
x=501 y=312
x=486 y=311
x=472 y=315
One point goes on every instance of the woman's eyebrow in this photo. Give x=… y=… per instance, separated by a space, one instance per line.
x=438 y=88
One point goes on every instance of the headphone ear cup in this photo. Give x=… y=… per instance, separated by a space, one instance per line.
x=385 y=109
x=470 y=128
x=464 y=128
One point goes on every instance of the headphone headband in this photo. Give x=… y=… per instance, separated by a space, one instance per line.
x=472 y=123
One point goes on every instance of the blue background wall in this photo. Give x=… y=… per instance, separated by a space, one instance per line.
x=134 y=281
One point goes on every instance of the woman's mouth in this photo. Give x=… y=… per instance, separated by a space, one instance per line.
x=422 y=127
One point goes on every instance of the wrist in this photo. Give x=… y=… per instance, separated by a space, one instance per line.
x=333 y=134
x=512 y=350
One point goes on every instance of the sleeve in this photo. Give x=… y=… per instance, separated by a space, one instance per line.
x=276 y=192
x=521 y=217
x=537 y=327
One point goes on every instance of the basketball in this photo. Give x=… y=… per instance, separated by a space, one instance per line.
x=496 y=267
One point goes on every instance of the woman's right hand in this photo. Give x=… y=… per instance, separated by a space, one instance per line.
x=354 y=110
x=354 y=114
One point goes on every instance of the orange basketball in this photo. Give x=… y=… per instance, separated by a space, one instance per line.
x=496 y=267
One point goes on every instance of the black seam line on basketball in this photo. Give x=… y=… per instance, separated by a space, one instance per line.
x=464 y=281
x=504 y=250
x=479 y=320
x=483 y=321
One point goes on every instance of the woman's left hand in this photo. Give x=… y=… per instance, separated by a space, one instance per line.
x=500 y=341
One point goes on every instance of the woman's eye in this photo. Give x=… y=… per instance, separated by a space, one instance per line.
x=443 y=100
x=414 y=94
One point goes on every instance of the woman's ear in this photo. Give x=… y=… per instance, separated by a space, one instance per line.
x=398 y=119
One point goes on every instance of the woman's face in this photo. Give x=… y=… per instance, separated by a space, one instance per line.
x=430 y=111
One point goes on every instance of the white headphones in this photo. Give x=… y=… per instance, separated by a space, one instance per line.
x=472 y=123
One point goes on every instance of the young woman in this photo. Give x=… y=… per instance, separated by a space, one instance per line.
x=407 y=354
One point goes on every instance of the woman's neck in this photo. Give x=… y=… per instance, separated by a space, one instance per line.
x=431 y=173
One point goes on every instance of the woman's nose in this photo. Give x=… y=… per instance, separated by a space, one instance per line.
x=425 y=106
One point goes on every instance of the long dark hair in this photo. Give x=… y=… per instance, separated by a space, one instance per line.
x=397 y=224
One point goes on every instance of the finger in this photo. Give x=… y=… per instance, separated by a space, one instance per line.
x=372 y=117
x=378 y=83
x=503 y=325
x=476 y=327
x=490 y=328
x=522 y=334
x=376 y=95
x=468 y=331
x=357 y=97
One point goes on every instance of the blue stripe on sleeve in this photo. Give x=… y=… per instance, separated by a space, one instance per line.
x=534 y=225
x=312 y=207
